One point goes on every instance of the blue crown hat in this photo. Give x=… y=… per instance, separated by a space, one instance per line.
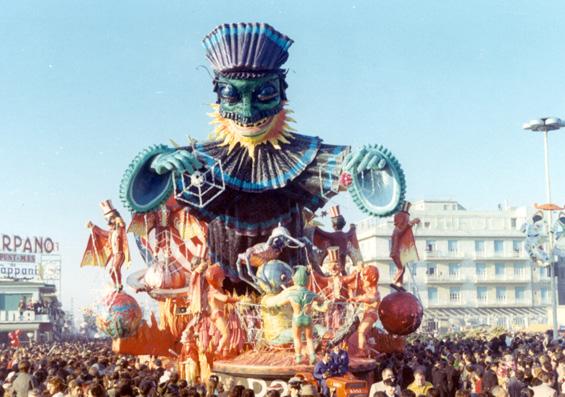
x=246 y=47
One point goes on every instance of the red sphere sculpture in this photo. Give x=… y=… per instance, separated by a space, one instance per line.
x=401 y=313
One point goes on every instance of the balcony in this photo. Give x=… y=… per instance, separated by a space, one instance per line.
x=493 y=255
x=439 y=254
x=13 y=316
x=457 y=278
x=500 y=279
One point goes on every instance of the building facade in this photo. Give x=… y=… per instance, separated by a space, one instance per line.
x=473 y=268
x=31 y=307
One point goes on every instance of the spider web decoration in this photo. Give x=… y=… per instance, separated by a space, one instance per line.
x=201 y=187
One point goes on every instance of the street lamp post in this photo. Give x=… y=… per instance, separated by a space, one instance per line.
x=545 y=125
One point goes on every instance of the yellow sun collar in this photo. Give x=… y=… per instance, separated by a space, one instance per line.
x=278 y=132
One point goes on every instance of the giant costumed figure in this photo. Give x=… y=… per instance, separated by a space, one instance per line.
x=226 y=216
x=268 y=172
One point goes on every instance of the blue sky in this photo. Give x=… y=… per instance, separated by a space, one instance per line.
x=85 y=85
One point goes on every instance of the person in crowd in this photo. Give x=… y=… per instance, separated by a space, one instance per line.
x=294 y=386
x=322 y=371
x=386 y=373
x=439 y=377
x=340 y=360
x=22 y=384
x=420 y=386
x=544 y=389
x=55 y=386
x=489 y=379
x=390 y=388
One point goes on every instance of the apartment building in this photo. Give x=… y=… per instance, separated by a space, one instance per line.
x=473 y=268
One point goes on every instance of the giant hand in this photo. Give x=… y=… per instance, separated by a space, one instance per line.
x=178 y=160
x=368 y=158
x=376 y=180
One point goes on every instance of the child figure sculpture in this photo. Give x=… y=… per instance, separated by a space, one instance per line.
x=217 y=300
x=369 y=299
x=302 y=301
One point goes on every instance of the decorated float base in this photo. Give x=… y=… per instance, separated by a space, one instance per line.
x=260 y=370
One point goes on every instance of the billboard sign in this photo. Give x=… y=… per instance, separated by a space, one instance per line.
x=21 y=256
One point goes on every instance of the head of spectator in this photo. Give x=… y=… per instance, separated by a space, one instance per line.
x=96 y=390
x=23 y=366
x=420 y=376
x=387 y=373
x=55 y=385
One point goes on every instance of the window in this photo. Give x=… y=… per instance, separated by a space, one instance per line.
x=499 y=269
x=455 y=295
x=391 y=269
x=427 y=225
x=501 y=294
x=430 y=245
x=519 y=270
x=513 y=223
x=498 y=246
x=516 y=246
x=452 y=245
x=520 y=294
x=432 y=295
x=481 y=294
x=481 y=270
x=432 y=269
x=544 y=296
x=479 y=246
x=453 y=270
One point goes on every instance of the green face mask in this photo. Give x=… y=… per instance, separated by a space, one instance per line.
x=247 y=101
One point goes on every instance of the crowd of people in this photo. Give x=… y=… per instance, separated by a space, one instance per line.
x=521 y=366
x=503 y=366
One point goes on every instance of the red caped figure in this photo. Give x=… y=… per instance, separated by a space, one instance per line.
x=403 y=248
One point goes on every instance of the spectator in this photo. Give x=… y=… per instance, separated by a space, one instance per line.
x=322 y=371
x=387 y=373
x=489 y=379
x=22 y=384
x=55 y=386
x=420 y=386
x=390 y=388
x=544 y=389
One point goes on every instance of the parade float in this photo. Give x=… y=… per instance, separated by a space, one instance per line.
x=249 y=285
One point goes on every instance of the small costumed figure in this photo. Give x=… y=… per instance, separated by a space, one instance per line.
x=302 y=301
x=336 y=288
x=346 y=241
x=217 y=300
x=369 y=299
x=108 y=246
x=189 y=361
x=403 y=248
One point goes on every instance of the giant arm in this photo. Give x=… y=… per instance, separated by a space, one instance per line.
x=372 y=175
